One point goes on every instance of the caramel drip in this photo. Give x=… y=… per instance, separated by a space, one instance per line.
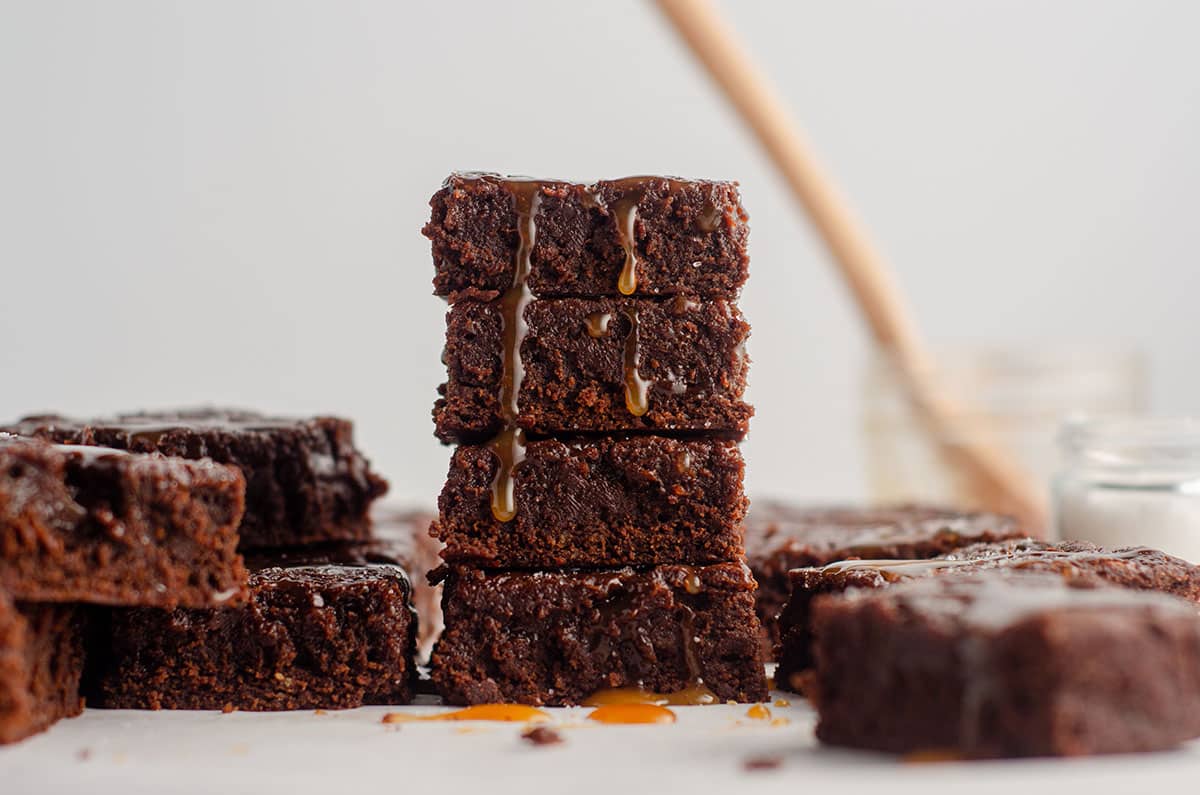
x=637 y=389
x=597 y=324
x=506 y=713
x=625 y=210
x=632 y=713
x=509 y=447
x=694 y=695
x=509 y=444
x=692 y=583
x=759 y=712
x=709 y=219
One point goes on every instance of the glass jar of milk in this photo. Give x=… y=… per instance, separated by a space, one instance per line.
x=1131 y=481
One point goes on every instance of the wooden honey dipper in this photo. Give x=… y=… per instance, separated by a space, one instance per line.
x=995 y=481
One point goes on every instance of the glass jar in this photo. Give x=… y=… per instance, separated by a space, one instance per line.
x=1131 y=481
x=1016 y=399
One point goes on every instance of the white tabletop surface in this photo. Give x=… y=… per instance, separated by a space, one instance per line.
x=122 y=752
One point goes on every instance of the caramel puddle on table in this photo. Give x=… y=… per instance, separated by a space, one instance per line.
x=696 y=695
x=631 y=713
x=759 y=712
x=505 y=713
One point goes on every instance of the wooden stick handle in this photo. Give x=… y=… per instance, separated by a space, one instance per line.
x=996 y=479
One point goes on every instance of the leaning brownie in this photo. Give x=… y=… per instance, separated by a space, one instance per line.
x=782 y=536
x=598 y=365
x=645 y=236
x=403 y=535
x=41 y=662
x=89 y=524
x=1137 y=567
x=305 y=480
x=598 y=501
x=558 y=637
x=322 y=630
x=1006 y=664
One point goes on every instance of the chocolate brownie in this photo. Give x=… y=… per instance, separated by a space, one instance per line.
x=647 y=236
x=41 y=661
x=305 y=480
x=597 y=501
x=558 y=637
x=326 y=629
x=1135 y=567
x=783 y=536
x=404 y=535
x=598 y=365
x=1006 y=664
x=89 y=524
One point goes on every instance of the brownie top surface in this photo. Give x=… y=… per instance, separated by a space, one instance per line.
x=628 y=183
x=828 y=533
x=88 y=456
x=331 y=573
x=198 y=420
x=1131 y=565
x=996 y=600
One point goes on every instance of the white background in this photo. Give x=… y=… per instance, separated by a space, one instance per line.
x=220 y=201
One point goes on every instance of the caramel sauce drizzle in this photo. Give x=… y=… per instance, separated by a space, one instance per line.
x=505 y=713
x=625 y=210
x=637 y=389
x=597 y=324
x=759 y=712
x=632 y=713
x=509 y=444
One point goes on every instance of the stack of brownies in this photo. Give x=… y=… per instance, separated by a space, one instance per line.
x=593 y=509
x=147 y=518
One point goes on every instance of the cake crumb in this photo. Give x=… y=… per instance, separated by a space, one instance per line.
x=757 y=763
x=83 y=754
x=228 y=708
x=541 y=735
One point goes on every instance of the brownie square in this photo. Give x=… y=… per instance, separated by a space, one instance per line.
x=41 y=662
x=597 y=501
x=1135 y=567
x=558 y=637
x=322 y=630
x=305 y=480
x=598 y=365
x=1006 y=664
x=783 y=536
x=89 y=524
x=680 y=236
x=403 y=534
